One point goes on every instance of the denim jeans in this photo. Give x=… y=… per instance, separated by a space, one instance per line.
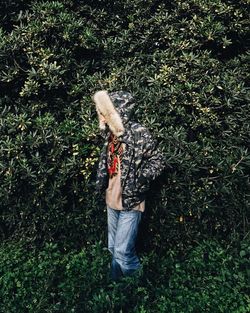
x=122 y=233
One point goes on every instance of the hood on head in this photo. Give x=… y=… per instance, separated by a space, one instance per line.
x=116 y=108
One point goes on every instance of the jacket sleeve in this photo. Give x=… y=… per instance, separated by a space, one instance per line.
x=153 y=161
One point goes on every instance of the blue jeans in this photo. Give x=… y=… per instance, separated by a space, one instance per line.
x=122 y=233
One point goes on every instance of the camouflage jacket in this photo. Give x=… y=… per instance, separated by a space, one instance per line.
x=142 y=161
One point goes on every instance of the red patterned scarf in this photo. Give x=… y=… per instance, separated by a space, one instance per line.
x=115 y=151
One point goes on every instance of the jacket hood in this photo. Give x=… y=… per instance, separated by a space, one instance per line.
x=116 y=107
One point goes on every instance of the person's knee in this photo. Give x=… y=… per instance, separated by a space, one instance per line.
x=119 y=253
x=123 y=252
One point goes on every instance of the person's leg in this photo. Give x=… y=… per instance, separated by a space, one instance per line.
x=125 y=239
x=113 y=218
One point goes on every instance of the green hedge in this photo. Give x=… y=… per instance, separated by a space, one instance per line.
x=212 y=278
x=186 y=64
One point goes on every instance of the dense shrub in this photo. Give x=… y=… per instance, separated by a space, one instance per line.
x=186 y=64
x=212 y=278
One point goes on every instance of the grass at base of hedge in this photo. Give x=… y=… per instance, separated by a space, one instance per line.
x=212 y=278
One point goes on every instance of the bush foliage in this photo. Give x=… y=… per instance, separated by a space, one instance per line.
x=186 y=64
x=212 y=278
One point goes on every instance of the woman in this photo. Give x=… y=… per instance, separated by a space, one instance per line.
x=129 y=161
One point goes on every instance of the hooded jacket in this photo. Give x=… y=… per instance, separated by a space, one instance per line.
x=142 y=161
